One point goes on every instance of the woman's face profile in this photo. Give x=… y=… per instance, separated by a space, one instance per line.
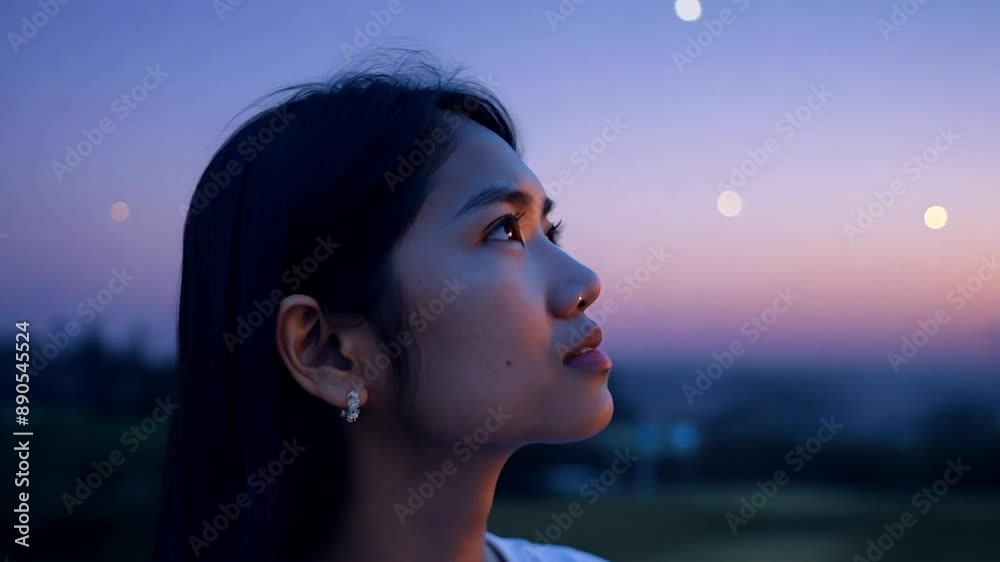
x=498 y=304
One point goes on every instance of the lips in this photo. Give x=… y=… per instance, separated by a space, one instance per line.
x=586 y=354
x=590 y=342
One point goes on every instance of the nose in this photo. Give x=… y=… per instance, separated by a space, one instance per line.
x=576 y=289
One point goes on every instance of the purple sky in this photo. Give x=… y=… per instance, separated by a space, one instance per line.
x=690 y=114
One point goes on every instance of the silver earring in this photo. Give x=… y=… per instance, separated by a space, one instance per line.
x=351 y=413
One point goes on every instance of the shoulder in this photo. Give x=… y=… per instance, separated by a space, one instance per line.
x=520 y=550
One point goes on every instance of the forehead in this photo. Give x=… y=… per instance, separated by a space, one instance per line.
x=479 y=159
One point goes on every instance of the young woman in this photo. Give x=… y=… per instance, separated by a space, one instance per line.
x=375 y=314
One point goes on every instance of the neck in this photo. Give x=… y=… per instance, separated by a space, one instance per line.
x=417 y=502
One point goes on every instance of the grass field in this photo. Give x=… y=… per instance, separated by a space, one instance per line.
x=797 y=525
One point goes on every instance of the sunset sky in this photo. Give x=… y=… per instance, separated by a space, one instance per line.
x=838 y=104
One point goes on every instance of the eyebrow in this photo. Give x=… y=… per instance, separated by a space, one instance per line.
x=502 y=194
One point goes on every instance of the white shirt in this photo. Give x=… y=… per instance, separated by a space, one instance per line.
x=520 y=550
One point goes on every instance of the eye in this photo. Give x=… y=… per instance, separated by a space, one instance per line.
x=555 y=232
x=506 y=228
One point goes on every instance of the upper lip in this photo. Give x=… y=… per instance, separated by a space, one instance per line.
x=590 y=341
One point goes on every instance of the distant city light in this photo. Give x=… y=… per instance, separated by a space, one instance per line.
x=936 y=217
x=119 y=211
x=685 y=436
x=730 y=204
x=688 y=10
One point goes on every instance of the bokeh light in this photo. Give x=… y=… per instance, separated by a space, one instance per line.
x=688 y=10
x=730 y=203
x=936 y=217
x=119 y=211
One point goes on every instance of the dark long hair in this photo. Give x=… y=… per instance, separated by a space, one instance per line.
x=340 y=166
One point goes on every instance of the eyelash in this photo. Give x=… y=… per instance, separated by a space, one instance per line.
x=514 y=220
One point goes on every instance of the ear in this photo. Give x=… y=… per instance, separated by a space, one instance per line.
x=322 y=354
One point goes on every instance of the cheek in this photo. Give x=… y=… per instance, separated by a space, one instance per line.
x=491 y=347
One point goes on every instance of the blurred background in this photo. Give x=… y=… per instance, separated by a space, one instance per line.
x=793 y=208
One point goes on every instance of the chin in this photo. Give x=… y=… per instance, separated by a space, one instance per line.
x=602 y=416
x=585 y=422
